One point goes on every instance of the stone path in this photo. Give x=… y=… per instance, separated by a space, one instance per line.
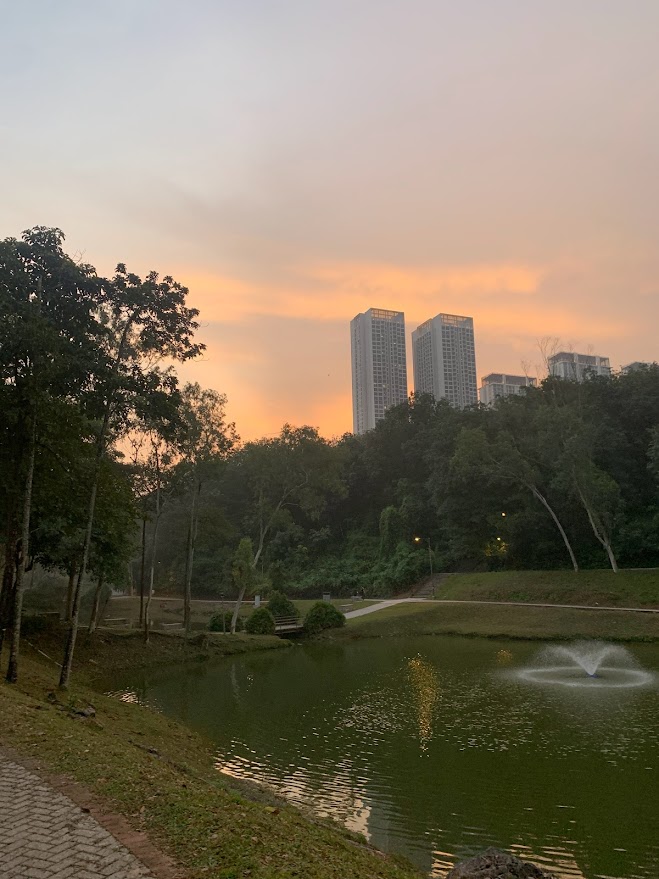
x=44 y=835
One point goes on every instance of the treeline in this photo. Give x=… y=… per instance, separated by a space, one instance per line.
x=563 y=477
x=110 y=472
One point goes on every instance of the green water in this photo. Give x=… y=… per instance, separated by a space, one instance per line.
x=434 y=748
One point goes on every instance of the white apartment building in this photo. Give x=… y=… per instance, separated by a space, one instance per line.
x=577 y=367
x=445 y=359
x=498 y=384
x=379 y=368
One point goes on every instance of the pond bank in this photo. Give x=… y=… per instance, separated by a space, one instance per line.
x=160 y=775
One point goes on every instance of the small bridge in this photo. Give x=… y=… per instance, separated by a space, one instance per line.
x=287 y=625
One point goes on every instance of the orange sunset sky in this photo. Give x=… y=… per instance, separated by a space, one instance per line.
x=294 y=163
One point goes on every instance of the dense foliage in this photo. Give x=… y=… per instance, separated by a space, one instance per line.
x=221 y=622
x=564 y=476
x=280 y=606
x=323 y=615
x=260 y=622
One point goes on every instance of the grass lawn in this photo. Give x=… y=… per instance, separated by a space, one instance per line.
x=624 y=589
x=161 y=776
x=429 y=618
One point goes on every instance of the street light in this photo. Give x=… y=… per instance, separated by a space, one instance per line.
x=427 y=539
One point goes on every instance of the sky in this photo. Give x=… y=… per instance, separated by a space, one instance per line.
x=295 y=162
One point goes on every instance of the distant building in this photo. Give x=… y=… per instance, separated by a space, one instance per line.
x=635 y=366
x=577 y=367
x=445 y=359
x=498 y=384
x=379 y=367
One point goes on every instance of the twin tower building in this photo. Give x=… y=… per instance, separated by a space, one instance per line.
x=444 y=362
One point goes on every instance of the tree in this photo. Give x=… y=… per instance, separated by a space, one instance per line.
x=205 y=441
x=48 y=327
x=144 y=321
x=500 y=460
x=597 y=491
x=242 y=572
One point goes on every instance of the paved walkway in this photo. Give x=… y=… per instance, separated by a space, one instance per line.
x=382 y=604
x=44 y=835
x=379 y=606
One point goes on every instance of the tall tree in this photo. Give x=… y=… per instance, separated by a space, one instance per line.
x=145 y=320
x=47 y=330
x=205 y=440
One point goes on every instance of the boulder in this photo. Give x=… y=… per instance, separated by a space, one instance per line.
x=494 y=864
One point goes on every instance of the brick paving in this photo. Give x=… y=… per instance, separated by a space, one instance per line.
x=45 y=835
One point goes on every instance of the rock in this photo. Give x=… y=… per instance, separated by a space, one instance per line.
x=494 y=864
x=89 y=711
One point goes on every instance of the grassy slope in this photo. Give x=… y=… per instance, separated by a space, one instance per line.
x=427 y=618
x=108 y=651
x=624 y=589
x=189 y=809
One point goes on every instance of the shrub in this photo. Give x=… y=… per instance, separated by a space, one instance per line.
x=323 y=615
x=281 y=606
x=215 y=622
x=261 y=622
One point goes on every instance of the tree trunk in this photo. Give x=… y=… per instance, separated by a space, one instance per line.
x=69 y=593
x=612 y=558
x=65 y=674
x=93 y=619
x=142 y=570
x=152 y=568
x=12 y=669
x=192 y=535
x=599 y=532
x=263 y=532
x=543 y=500
x=8 y=573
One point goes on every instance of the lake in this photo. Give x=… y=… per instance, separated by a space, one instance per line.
x=435 y=748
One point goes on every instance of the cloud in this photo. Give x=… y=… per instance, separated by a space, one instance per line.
x=338 y=291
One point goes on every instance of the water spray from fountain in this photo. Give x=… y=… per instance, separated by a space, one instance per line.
x=592 y=664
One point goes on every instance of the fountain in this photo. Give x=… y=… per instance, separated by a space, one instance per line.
x=593 y=664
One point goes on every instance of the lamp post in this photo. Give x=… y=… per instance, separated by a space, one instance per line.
x=427 y=539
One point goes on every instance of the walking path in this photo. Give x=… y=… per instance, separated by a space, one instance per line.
x=45 y=835
x=393 y=601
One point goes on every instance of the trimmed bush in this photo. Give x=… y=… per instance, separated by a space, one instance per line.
x=281 y=606
x=323 y=615
x=261 y=622
x=215 y=622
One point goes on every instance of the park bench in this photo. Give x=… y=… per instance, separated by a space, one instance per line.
x=176 y=625
x=121 y=621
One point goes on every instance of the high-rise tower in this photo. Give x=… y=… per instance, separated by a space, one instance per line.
x=379 y=369
x=445 y=359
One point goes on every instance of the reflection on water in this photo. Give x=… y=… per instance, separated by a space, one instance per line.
x=425 y=692
x=434 y=748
